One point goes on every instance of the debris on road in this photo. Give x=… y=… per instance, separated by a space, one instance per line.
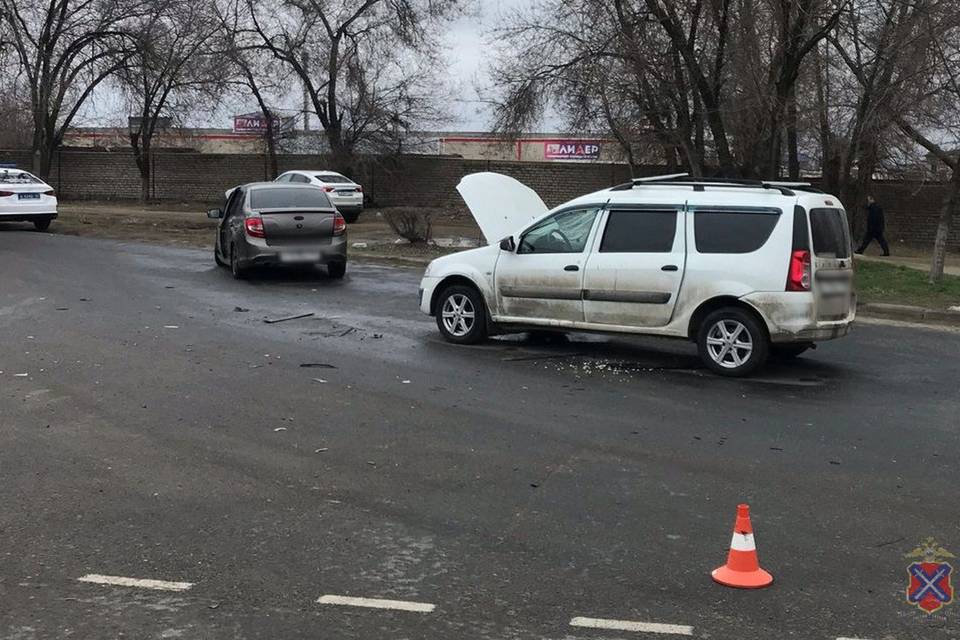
x=286 y=318
x=20 y=375
x=63 y=309
x=321 y=450
x=279 y=429
x=316 y=365
x=240 y=310
x=359 y=245
x=320 y=380
x=170 y=326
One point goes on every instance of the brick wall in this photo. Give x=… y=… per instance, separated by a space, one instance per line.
x=912 y=209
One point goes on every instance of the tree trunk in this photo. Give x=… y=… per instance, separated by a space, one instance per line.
x=951 y=206
x=793 y=143
x=146 y=166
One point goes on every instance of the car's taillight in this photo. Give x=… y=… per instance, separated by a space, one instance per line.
x=254 y=227
x=49 y=193
x=339 y=225
x=6 y=194
x=359 y=189
x=798 y=279
x=328 y=189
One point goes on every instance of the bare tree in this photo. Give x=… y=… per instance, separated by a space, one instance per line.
x=168 y=72
x=907 y=66
x=369 y=67
x=252 y=71
x=65 y=49
x=714 y=78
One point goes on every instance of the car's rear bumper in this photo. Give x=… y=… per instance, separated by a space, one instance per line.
x=26 y=216
x=261 y=254
x=792 y=317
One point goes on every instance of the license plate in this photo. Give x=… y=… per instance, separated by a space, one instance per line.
x=300 y=256
x=28 y=196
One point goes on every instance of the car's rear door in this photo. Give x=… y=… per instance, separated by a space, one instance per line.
x=293 y=215
x=832 y=264
x=543 y=279
x=633 y=277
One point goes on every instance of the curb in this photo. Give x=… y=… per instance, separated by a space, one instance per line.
x=908 y=313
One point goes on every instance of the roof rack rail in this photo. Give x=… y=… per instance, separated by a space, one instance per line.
x=698 y=184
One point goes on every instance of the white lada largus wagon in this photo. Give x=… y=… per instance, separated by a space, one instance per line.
x=745 y=269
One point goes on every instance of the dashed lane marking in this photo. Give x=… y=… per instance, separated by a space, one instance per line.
x=629 y=625
x=377 y=603
x=141 y=583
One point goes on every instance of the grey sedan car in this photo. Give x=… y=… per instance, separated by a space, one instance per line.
x=270 y=224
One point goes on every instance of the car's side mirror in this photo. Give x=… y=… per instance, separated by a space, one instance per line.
x=507 y=244
x=215 y=214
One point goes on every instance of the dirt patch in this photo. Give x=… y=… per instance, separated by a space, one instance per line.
x=187 y=225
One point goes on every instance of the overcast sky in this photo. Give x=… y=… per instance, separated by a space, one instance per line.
x=467 y=55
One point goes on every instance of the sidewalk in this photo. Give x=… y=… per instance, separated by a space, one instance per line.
x=918 y=262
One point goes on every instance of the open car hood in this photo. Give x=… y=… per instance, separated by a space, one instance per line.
x=500 y=205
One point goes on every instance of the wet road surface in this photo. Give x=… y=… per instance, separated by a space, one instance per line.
x=162 y=431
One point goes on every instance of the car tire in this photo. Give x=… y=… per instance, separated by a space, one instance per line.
x=788 y=351
x=239 y=272
x=733 y=342
x=461 y=315
x=42 y=224
x=337 y=270
x=352 y=217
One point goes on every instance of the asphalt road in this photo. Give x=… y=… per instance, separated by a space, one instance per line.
x=159 y=433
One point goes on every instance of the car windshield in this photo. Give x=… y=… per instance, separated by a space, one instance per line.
x=289 y=198
x=17 y=177
x=333 y=178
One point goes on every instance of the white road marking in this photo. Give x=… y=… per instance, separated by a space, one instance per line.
x=159 y=585
x=629 y=625
x=376 y=603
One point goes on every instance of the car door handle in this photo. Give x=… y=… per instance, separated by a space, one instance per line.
x=669 y=267
x=571 y=267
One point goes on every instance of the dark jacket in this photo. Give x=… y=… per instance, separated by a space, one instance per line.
x=875 y=218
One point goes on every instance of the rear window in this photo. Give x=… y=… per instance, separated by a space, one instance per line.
x=17 y=177
x=287 y=198
x=639 y=232
x=733 y=231
x=333 y=178
x=831 y=235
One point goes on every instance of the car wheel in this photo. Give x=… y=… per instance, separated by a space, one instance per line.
x=461 y=315
x=337 y=270
x=42 y=225
x=350 y=218
x=732 y=342
x=238 y=272
x=788 y=351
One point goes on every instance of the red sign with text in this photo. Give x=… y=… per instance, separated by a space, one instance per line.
x=571 y=150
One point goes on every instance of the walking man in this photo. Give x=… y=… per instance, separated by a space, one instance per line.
x=875 y=226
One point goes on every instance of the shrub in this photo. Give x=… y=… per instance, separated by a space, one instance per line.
x=411 y=223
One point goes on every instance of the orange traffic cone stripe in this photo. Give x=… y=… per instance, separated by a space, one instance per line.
x=743 y=565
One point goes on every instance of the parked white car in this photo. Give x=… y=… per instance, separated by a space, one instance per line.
x=745 y=269
x=345 y=194
x=26 y=198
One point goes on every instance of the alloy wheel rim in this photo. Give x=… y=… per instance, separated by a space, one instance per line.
x=458 y=315
x=729 y=343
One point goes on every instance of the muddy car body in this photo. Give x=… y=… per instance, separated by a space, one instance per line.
x=745 y=269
